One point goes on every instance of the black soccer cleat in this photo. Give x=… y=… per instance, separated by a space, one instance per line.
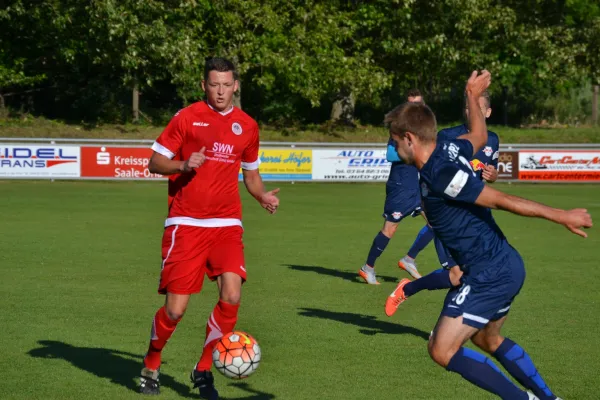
x=149 y=382
x=204 y=381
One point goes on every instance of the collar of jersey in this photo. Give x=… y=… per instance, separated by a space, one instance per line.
x=220 y=112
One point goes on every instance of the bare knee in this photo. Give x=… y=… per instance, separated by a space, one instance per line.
x=486 y=342
x=389 y=229
x=175 y=305
x=440 y=354
x=175 y=311
x=230 y=288
x=231 y=296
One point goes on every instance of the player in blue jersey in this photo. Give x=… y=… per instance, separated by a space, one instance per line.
x=457 y=206
x=485 y=164
x=402 y=198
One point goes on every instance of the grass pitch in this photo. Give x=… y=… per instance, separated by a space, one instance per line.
x=80 y=266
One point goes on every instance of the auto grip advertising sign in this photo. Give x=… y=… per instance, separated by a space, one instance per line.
x=351 y=165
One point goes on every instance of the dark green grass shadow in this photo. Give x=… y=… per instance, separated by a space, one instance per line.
x=370 y=325
x=123 y=368
x=346 y=275
x=255 y=394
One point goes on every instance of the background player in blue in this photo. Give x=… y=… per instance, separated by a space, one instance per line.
x=402 y=198
x=485 y=165
x=457 y=205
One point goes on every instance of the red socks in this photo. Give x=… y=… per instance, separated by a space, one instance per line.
x=162 y=329
x=221 y=321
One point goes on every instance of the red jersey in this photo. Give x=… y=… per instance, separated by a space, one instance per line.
x=208 y=196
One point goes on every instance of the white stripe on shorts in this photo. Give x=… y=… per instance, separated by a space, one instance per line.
x=475 y=318
x=170 y=248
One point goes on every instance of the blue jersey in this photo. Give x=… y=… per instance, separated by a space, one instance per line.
x=449 y=188
x=488 y=155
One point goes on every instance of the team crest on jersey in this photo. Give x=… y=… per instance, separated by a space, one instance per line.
x=236 y=128
x=488 y=151
x=424 y=189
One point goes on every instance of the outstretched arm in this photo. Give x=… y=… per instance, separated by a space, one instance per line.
x=478 y=134
x=255 y=186
x=574 y=220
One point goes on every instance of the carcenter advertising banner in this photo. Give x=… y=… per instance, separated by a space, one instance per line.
x=557 y=165
x=350 y=164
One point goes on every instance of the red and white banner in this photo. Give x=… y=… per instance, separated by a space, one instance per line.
x=39 y=161
x=116 y=163
x=556 y=165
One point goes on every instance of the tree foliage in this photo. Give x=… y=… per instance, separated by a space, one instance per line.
x=295 y=57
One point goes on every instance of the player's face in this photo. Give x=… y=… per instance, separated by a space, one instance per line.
x=415 y=99
x=483 y=106
x=219 y=89
x=404 y=148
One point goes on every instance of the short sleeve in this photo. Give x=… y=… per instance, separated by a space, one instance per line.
x=465 y=147
x=171 y=139
x=457 y=181
x=250 y=160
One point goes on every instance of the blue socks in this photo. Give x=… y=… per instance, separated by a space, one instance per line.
x=379 y=244
x=481 y=371
x=421 y=241
x=438 y=279
x=517 y=362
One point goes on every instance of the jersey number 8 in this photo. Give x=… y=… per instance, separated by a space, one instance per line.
x=462 y=295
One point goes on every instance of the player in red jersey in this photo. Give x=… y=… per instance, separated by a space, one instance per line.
x=202 y=150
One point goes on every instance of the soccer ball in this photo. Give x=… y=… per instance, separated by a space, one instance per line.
x=236 y=355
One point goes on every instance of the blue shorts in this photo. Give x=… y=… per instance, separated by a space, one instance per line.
x=401 y=202
x=488 y=294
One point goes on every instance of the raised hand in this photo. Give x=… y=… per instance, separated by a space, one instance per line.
x=478 y=83
x=196 y=159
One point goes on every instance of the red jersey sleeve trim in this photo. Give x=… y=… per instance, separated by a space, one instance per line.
x=160 y=149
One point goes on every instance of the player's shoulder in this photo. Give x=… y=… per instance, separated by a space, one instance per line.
x=452 y=132
x=446 y=156
x=244 y=117
x=493 y=136
x=190 y=110
x=452 y=150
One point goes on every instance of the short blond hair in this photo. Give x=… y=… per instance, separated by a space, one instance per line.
x=416 y=118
